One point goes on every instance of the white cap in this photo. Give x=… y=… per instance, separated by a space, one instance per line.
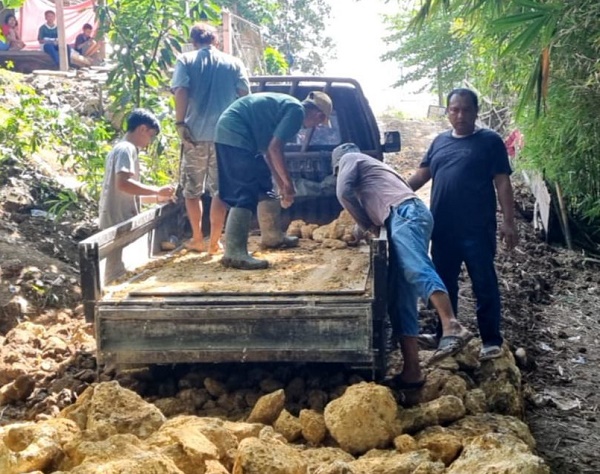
x=341 y=150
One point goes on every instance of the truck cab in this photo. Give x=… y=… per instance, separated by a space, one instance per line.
x=308 y=157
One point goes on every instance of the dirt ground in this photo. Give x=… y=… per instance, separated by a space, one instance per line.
x=551 y=297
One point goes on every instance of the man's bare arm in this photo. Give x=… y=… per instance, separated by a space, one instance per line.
x=276 y=163
x=508 y=231
x=419 y=178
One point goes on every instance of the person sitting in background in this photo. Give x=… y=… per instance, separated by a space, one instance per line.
x=48 y=37
x=121 y=187
x=11 y=33
x=85 y=44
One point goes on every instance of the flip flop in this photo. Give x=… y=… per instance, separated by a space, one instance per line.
x=450 y=345
x=397 y=383
x=428 y=341
x=490 y=352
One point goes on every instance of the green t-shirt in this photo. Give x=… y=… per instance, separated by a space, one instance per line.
x=45 y=32
x=251 y=122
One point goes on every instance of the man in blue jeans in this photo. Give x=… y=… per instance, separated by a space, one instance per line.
x=469 y=166
x=375 y=195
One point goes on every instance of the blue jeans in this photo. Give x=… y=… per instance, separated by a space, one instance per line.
x=477 y=251
x=52 y=51
x=411 y=271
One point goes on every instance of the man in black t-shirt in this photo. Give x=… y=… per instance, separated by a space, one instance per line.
x=469 y=166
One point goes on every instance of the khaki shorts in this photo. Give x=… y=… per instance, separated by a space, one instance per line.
x=199 y=170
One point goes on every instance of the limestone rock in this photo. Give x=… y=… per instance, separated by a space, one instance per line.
x=319 y=458
x=442 y=444
x=313 y=426
x=255 y=456
x=362 y=418
x=122 y=454
x=106 y=409
x=398 y=463
x=405 y=443
x=472 y=426
x=269 y=435
x=267 y=408
x=191 y=442
x=493 y=453
x=294 y=228
x=475 y=401
x=306 y=231
x=500 y=380
x=26 y=447
x=18 y=390
x=443 y=410
x=288 y=425
x=336 y=467
x=243 y=430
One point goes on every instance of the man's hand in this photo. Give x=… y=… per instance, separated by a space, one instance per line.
x=185 y=134
x=287 y=195
x=165 y=193
x=508 y=233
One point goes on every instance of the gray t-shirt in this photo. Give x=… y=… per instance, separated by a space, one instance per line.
x=213 y=79
x=117 y=206
x=368 y=189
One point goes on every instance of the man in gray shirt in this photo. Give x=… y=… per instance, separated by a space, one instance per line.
x=376 y=196
x=205 y=82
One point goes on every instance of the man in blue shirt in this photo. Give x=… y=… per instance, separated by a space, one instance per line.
x=205 y=82
x=469 y=166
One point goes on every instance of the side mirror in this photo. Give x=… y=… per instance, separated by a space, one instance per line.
x=391 y=142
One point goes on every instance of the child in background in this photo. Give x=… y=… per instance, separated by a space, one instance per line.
x=85 y=44
x=11 y=33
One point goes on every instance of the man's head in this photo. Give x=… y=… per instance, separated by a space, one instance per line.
x=462 y=110
x=203 y=34
x=317 y=109
x=143 y=126
x=87 y=29
x=339 y=151
x=50 y=17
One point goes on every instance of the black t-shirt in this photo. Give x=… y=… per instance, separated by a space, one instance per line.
x=463 y=196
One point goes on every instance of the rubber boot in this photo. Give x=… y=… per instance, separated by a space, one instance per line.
x=269 y=221
x=236 y=242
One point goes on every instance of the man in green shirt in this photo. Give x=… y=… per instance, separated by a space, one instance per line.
x=249 y=141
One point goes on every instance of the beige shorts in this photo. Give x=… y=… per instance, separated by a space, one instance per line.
x=199 y=170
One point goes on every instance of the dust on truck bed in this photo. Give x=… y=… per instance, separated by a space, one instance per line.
x=309 y=268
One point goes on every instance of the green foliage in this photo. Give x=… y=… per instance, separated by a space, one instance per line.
x=276 y=63
x=294 y=27
x=65 y=201
x=145 y=36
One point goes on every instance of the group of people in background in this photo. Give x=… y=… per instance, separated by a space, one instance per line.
x=86 y=47
x=232 y=148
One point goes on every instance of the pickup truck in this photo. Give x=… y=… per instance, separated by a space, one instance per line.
x=143 y=316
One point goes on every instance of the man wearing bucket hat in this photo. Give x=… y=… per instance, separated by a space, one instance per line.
x=375 y=195
x=249 y=140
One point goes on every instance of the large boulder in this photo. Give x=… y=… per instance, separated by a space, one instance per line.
x=27 y=447
x=107 y=408
x=494 y=452
x=362 y=418
x=256 y=456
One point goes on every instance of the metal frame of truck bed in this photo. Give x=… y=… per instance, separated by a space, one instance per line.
x=345 y=326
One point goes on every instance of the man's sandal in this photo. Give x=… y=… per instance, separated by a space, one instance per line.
x=450 y=345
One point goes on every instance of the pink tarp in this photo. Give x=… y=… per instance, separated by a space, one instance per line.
x=32 y=17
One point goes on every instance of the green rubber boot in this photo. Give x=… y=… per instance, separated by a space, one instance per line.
x=236 y=242
x=269 y=221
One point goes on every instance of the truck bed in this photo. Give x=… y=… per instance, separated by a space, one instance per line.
x=309 y=268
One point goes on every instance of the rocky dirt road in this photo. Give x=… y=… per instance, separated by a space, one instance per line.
x=47 y=360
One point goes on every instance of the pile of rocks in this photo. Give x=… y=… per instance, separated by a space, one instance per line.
x=447 y=428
